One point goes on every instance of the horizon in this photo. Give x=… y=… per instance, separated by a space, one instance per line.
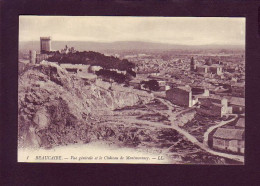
x=108 y=29
x=111 y=42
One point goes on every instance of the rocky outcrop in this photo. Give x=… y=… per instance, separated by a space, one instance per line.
x=57 y=108
x=185 y=116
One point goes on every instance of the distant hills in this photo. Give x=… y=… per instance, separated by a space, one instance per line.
x=122 y=46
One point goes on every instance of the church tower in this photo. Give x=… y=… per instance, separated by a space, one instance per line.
x=192 y=65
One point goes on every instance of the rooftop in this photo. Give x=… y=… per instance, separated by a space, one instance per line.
x=238 y=85
x=215 y=65
x=232 y=134
x=241 y=123
x=47 y=38
x=237 y=101
x=186 y=88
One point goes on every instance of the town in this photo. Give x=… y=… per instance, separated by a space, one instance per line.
x=204 y=90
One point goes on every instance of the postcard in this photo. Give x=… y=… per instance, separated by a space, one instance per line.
x=129 y=89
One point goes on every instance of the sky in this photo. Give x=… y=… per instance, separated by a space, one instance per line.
x=172 y=30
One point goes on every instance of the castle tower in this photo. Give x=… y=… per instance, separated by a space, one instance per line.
x=32 y=56
x=192 y=65
x=45 y=44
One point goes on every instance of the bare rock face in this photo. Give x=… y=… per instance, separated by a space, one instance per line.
x=185 y=117
x=41 y=118
x=57 y=108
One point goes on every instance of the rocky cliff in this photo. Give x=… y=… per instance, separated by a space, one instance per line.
x=58 y=108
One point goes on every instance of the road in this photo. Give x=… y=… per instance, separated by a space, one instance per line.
x=222 y=123
x=193 y=139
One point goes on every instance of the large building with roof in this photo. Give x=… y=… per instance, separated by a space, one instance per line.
x=237 y=104
x=215 y=69
x=230 y=140
x=181 y=96
x=213 y=106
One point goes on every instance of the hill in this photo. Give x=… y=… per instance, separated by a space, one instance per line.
x=57 y=108
x=122 y=46
x=92 y=58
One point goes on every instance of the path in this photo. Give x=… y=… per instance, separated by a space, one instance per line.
x=190 y=137
x=186 y=134
x=210 y=129
x=193 y=139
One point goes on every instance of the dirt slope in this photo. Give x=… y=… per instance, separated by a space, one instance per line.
x=57 y=108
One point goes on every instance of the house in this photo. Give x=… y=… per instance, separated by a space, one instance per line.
x=181 y=96
x=230 y=140
x=237 y=104
x=213 y=106
x=240 y=123
x=80 y=70
x=238 y=89
x=198 y=92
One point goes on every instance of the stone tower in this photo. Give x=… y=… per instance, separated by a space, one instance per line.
x=32 y=56
x=192 y=65
x=45 y=44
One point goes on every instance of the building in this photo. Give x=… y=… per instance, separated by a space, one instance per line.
x=80 y=70
x=192 y=65
x=208 y=61
x=32 y=56
x=45 y=44
x=240 y=123
x=41 y=57
x=67 y=50
x=211 y=61
x=230 y=140
x=198 y=92
x=215 y=69
x=237 y=104
x=181 y=96
x=213 y=106
x=238 y=89
x=202 y=69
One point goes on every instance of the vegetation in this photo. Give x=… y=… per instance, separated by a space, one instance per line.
x=107 y=74
x=151 y=85
x=93 y=58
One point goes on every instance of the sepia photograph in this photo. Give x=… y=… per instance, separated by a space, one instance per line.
x=131 y=90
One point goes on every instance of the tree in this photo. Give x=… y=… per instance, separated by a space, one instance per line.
x=151 y=84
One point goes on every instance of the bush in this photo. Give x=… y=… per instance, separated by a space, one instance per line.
x=151 y=84
x=93 y=58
